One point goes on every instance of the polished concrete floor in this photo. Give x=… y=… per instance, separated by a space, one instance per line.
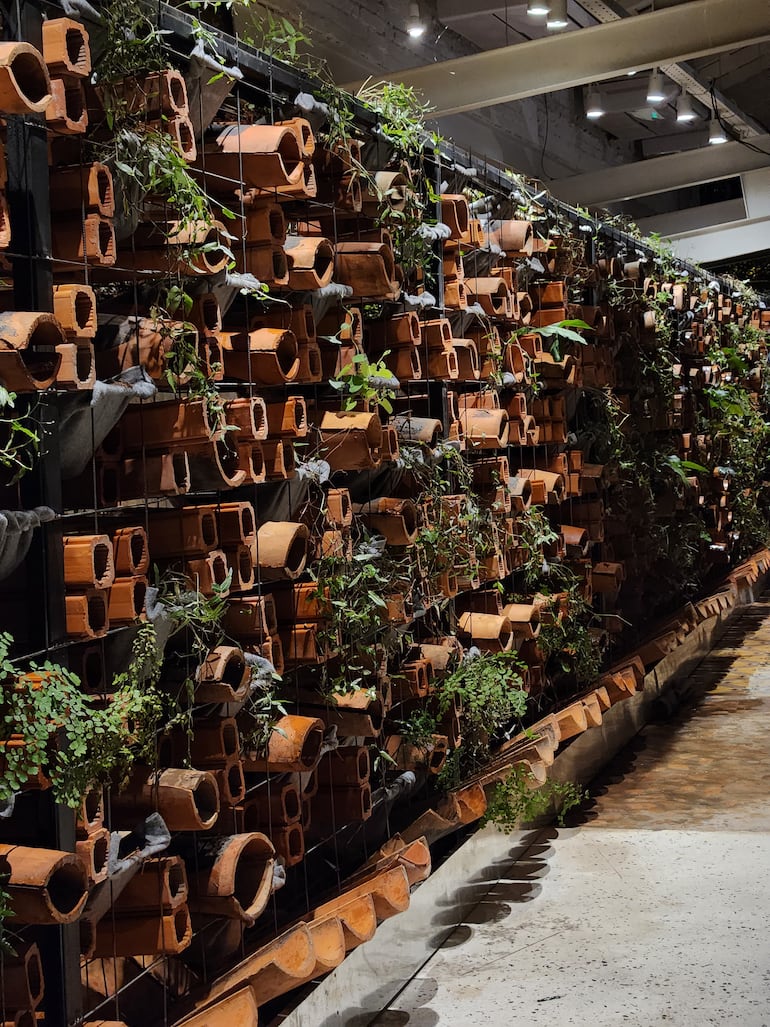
x=654 y=908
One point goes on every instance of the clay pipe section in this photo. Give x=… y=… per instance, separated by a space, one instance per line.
x=294 y=745
x=234 y=876
x=28 y=357
x=25 y=87
x=22 y=986
x=45 y=886
x=188 y=800
x=282 y=549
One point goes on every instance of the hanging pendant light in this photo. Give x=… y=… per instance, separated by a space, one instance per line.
x=655 y=93
x=415 y=26
x=684 y=109
x=557 y=16
x=717 y=134
x=594 y=105
x=538 y=8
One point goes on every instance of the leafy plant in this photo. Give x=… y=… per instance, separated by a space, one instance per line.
x=19 y=440
x=488 y=688
x=515 y=801
x=363 y=380
x=402 y=114
x=563 y=331
x=55 y=728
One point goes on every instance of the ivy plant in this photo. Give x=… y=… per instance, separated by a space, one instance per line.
x=516 y=801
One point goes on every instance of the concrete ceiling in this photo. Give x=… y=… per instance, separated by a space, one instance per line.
x=734 y=79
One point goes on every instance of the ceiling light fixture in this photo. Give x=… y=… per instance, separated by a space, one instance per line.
x=415 y=26
x=594 y=105
x=655 y=92
x=538 y=8
x=557 y=16
x=684 y=109
x=717 y=134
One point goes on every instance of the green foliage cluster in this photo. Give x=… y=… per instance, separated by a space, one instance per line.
x=517 y=800
x=67 y=734
x=489 y=690
x=20 y=437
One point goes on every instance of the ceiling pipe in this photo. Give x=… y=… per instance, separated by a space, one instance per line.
x=556 y=62
x=659 y=174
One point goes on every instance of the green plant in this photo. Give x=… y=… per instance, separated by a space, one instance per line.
x=535 y=532
x=516 y=800
x=488 y=687
x=19 y=440
x=402 y=114
x=363 y=380
x=6 y=948
x=64 y=733
x=418 y=729
x=563 y=331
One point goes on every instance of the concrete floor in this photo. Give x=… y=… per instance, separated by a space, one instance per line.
x=653 y=909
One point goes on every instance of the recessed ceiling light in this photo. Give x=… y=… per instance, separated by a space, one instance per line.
x=684 y=110
x=594 y=105
x=538 y=8
x=415 y=26
x=655 y=92
x=717 y=134
x=557 y=16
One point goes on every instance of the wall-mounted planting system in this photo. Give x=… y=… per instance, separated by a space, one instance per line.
x=331 y=510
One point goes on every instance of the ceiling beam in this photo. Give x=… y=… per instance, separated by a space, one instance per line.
x=450 y=11
x=676 y=171
x=546 y=65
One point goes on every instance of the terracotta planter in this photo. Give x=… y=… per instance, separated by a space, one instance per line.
x=341 y=806
x=92 y=242
x=251 y=618
x=159 y=886
x=269 y=972
x=234 y=876
x=455 y=213
x=430 y=757
x=395 y=519
x=294 y=745
x=368 y=268
x=282 y=549
x=524 y=618
x=87 y=614
x=249 y=416
x=77 y=367
x=311 y=262
x=571 y=720
x=262 y=156
x=207 y=572
x=349 y=440
x=267 y=356
x=161 y=474
x=491 y=633
x=88 y=561
x=485 y=429
x=45 y=886
x=92 y=852
x=492 y=295
x=131 y=554
x=224 y=676
x=607 y=578
x=28 y=357
x=238 y=1008
x=197 y=248
x=163 y=426
x=25 y=87
x=515 y=238
x=23 y=984
x=189 y=531
x=160 y=93
x=345 y=767
x=187 y=800
x=159 y=935
x=66 y=114
x=126 y=603
x=66 y=49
